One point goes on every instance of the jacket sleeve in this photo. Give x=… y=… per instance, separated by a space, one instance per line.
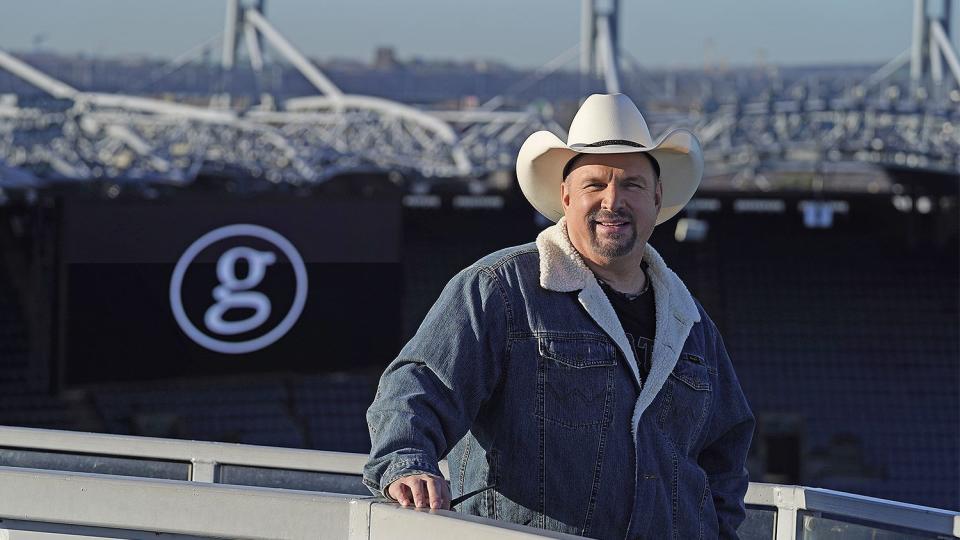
x=429 y=395
x=728 y=440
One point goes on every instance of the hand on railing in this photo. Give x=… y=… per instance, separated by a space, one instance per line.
x=421 y=491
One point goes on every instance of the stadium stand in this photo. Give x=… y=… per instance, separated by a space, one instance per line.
x=845 y=341
x=854 y=334
x=333 y=408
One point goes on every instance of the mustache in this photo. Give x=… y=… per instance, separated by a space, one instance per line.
x=598 y=215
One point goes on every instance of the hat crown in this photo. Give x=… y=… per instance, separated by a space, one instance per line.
x=608 y=117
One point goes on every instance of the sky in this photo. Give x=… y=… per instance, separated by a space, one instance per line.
x=522 y=33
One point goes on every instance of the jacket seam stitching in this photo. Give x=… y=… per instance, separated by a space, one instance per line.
x=507 y=258
x=598 y=472
x=509 y=315
x=703 y=500
x=463 y=466
x=565 y=336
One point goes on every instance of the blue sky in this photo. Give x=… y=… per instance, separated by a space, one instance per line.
x=519 y=32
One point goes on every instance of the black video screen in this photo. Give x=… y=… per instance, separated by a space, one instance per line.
x=174 y=288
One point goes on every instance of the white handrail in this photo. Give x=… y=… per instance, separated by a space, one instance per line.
x=39 y=500
x=859 y=507
x=205 y=457
x=217 y=453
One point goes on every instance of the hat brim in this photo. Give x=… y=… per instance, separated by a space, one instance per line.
x=543 y=156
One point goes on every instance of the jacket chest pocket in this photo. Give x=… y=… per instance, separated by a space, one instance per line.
x=575 y=381
x=687 y=397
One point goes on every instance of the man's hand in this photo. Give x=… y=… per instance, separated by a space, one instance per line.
x=421 y=491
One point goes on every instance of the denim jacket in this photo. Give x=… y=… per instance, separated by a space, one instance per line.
x=523 y=378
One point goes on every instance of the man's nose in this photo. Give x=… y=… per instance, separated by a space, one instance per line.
x=612 y=197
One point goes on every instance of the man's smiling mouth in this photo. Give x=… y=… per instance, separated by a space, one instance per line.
x=612 y=225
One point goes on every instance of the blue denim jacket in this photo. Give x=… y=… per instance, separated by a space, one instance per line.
x=522 y=377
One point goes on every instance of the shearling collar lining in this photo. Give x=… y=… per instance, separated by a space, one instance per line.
x=563 y=270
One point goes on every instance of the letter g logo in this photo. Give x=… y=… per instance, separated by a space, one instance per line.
x=228 y=293
x=238 y=295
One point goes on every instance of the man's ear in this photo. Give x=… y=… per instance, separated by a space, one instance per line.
x=659 y=194
x=564 y=194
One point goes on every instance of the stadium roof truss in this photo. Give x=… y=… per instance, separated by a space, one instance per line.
x=125 y=137
x=313 y=138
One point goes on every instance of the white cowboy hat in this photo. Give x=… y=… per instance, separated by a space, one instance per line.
x=608 y=124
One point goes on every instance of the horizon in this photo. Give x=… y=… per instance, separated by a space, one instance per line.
x=242 y=64
x=728 y=34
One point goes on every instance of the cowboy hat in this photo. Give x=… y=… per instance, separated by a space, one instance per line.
x=608 y=124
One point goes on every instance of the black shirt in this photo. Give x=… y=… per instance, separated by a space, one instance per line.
x=638 y=318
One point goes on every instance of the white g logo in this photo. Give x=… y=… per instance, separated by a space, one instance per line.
x=236 y=293
x=229 y=296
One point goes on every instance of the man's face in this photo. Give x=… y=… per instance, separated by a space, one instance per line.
x=611 y=203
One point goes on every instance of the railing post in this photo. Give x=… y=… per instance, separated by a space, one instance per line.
x=202 y=470
x=786 y=524
x=788 y=500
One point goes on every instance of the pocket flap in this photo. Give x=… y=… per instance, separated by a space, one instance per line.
x=693 y=371
x=578 y=352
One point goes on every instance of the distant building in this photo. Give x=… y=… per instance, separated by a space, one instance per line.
x=385 y=58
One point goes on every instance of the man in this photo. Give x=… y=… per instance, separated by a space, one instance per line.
x=575 y=377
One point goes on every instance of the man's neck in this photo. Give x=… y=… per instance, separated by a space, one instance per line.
x=623 y=274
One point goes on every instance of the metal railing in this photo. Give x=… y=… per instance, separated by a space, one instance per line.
x=804 y=512
x=92 y=505
x=60 y=482
x=197 y=461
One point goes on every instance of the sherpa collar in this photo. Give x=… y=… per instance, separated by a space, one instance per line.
x=562 y=269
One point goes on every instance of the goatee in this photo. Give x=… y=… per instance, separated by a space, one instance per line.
x=617 y=244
